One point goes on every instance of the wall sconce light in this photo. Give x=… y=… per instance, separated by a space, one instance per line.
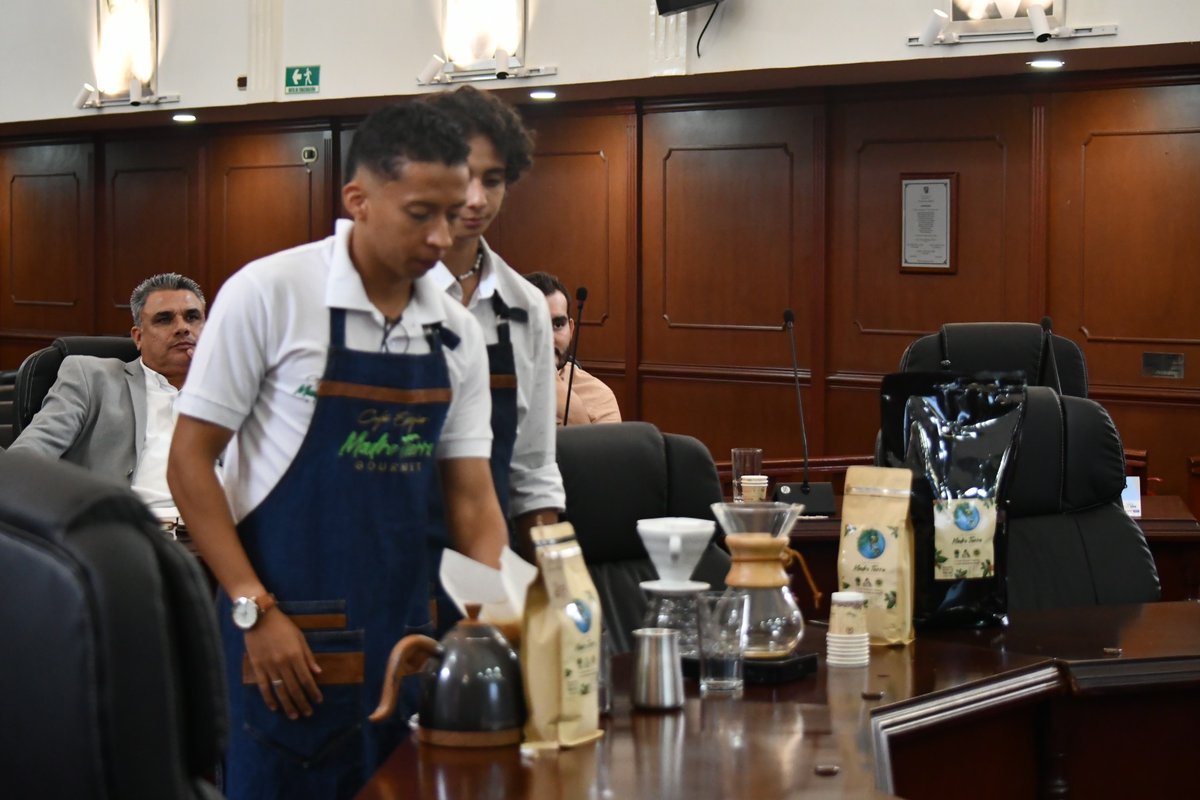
x=482 y=40
x=88 y=97
x=1037 y=22
x=432 y=71
x=126 y=60
x=970 y=21
x=938 y=21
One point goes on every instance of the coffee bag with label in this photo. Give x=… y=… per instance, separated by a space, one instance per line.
x=875 y=552
x=560 y=648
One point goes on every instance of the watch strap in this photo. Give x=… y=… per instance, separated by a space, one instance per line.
x=264 y=603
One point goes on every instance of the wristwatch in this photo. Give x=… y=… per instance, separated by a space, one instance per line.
x=247 y=611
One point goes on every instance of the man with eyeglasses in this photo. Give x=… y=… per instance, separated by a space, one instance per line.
x=591 y=399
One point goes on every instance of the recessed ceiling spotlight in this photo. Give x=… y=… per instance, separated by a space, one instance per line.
x=184 y=117
x=1046 y=63
x=543 y=94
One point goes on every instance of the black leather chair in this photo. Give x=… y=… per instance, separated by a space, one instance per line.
x=1070 y=542
x=8 y=379
x=111 y=679
x=616 y=474
x=1046 y=358
x=38 y=371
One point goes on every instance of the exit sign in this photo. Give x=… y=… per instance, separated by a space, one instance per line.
x=301 y=80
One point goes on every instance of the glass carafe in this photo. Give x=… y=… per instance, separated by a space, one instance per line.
x=674 y=608
x=756 y=534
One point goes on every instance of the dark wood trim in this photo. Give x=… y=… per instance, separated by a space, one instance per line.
x=716 y=102
x=1039 y=207
x=854 y=380
x=633 y=258
x=749 y=374
x=1102 y=393
x=817 y=305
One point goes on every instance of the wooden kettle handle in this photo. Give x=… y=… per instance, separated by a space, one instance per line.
x=407 y=657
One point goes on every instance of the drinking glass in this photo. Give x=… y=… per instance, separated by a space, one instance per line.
x=723 y=618
x=746 y=461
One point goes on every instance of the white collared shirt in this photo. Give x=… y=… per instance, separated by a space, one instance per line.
x=264 y=347
x=150 y=475
x=533 y=476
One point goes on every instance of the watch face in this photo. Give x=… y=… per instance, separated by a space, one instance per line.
x=245 y=613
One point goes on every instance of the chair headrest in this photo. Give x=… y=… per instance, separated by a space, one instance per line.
x=1069 y=456
x=79 y=495
x=39 y=370
x=121 y=347
x=1046 y=359
x=624 y=460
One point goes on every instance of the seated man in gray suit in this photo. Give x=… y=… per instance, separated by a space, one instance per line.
x=116 y=418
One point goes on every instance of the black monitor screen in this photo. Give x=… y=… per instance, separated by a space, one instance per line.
x=666 y=7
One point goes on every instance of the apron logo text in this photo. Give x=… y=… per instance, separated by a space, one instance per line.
x=401 y=420
x=358 y=445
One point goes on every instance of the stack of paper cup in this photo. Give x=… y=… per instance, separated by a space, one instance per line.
x=848 y=643
x=754 y=488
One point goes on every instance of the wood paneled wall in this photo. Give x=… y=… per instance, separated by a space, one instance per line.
x=47 y=255
x=574 y=215
x=694 y=222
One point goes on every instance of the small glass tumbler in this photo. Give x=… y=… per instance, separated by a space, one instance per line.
x=723 y=619
x=745 y=461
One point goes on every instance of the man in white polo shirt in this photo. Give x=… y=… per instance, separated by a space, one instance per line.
x=343 y=380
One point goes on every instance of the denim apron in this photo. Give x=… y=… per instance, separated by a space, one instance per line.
x=340 y=542
x=503 y=368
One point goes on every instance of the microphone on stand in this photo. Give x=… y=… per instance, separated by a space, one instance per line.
x=816 y=497
x=580 y=296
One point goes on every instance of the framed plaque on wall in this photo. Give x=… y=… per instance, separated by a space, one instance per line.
x=928 y=222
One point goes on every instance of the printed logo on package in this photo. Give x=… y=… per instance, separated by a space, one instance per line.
x=964 y=533
x=581 y=614
x=872 y=570
x=387 y=442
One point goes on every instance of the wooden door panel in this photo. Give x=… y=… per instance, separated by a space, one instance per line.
x=726 y=413
x=153 y=223
x=1124 y=169
x=570 y=216
x=1123 y=244
x=265 y=196
x=47 y=250
x=875 y=309
x=730 y=236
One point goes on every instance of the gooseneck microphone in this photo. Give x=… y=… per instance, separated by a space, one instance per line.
x=817 y=497
x=580 y=296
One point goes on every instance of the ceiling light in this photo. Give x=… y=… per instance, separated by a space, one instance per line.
x=1046 y=63
x=432 y=71
x=87 y=97
x=543 y=94
x=1038 y=23
x=938 y=21
x=184 y=117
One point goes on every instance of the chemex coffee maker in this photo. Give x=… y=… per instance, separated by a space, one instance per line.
x=757 y=537
x=675 y=546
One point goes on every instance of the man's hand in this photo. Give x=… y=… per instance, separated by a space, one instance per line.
x=284 y=666
x=473 y=515
x=282 y=662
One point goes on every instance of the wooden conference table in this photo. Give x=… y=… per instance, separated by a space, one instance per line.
x=1094 y=702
